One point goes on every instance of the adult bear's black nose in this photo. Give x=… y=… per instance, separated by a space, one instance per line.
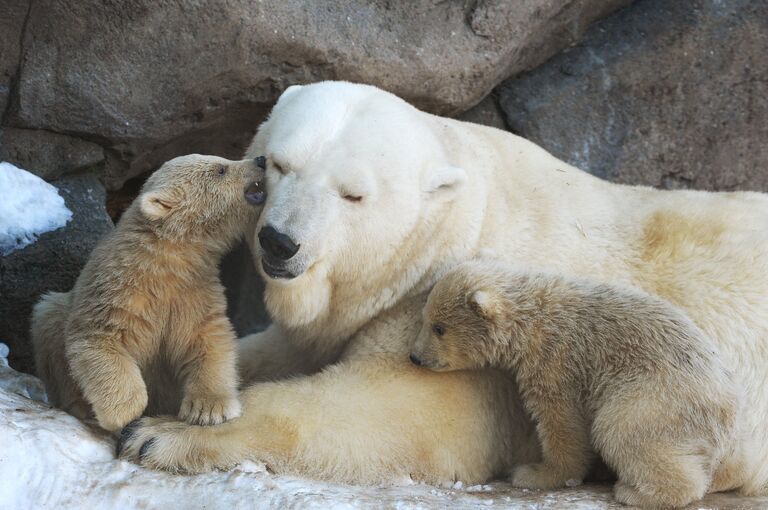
x=416 y=361
x=276 y=244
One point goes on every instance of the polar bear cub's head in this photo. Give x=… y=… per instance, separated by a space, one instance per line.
x=466 y=320
x=354 y=175
x=204 y=198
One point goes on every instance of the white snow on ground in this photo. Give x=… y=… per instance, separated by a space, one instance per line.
x=29 y=206
x=49 y=459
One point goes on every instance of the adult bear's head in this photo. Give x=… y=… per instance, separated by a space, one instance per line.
x=356 y=179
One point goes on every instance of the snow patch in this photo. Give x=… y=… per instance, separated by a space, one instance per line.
x=29 y=206
x=49 y=459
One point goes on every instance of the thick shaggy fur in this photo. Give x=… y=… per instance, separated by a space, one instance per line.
x=596 y=364
x=435 y=192
x=148 y=309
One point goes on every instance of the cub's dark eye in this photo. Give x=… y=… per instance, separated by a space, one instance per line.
x=352 y=198
x=222 y=170
x=438 y=330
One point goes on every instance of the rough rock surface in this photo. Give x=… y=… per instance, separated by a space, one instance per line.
x=670 y=94
x=486 y=112
x=52 y=263
x=13 y=16
x=48 y=155
x=152 y=79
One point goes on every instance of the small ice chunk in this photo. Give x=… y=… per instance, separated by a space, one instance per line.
x=572 y=482
x=251 y=467
x=29 y=206
x=458 y=485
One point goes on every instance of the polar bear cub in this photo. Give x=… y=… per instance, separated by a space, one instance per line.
x=150 y=292
x=598 y=366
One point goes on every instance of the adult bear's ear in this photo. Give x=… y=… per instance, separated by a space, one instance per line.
x=445 y=180
x=157 y=204
x=289 y=92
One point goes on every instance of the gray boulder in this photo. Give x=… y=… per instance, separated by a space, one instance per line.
x=48 y=155
x=669 y=94
x=151 y=79
x=52 y=263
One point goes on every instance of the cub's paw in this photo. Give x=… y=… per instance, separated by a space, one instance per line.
x=541 y=476
x=115 y=416
x=664 y=495
x=209 y=409
x=170 y=445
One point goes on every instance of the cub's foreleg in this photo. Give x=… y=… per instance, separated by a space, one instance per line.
x=566 y=449
x=209 y=372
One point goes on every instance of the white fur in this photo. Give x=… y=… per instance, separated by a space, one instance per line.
x=364 y=268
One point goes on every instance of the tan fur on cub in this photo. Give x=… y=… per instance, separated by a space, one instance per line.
x=598 y=366
x=148 y=309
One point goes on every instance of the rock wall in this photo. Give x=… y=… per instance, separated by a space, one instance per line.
x=666 y=93
x=150 y=79
x=669 y=94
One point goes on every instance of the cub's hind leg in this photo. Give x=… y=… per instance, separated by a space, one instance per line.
x=657 y=467
x=49 y=320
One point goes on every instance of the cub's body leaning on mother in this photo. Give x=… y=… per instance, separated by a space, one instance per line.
x=370 y=202
x=599 y=367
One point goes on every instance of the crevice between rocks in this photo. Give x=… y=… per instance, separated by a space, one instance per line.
x=14 y=88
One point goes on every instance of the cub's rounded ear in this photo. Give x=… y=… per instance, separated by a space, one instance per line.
x=157 y=204
x=485 y=304
x=445 y=180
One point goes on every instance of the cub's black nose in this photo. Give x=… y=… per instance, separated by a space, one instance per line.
x=261 y=162
x=276 y=244
x=416 y=361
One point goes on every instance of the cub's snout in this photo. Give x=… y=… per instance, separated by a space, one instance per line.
x=255 y=194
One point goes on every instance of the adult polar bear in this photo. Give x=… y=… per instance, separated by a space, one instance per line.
x=370 y=201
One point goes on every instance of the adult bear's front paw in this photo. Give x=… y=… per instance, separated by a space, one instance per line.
x=171 y=445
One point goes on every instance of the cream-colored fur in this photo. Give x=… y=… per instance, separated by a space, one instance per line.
x=596 y=364
x=364 y=268
x=148 y=308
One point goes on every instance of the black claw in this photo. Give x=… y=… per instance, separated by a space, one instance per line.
x=126 y=434
x=145 y=448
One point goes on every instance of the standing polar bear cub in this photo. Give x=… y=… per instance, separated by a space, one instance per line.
x=149 y=301
x=597 y=365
